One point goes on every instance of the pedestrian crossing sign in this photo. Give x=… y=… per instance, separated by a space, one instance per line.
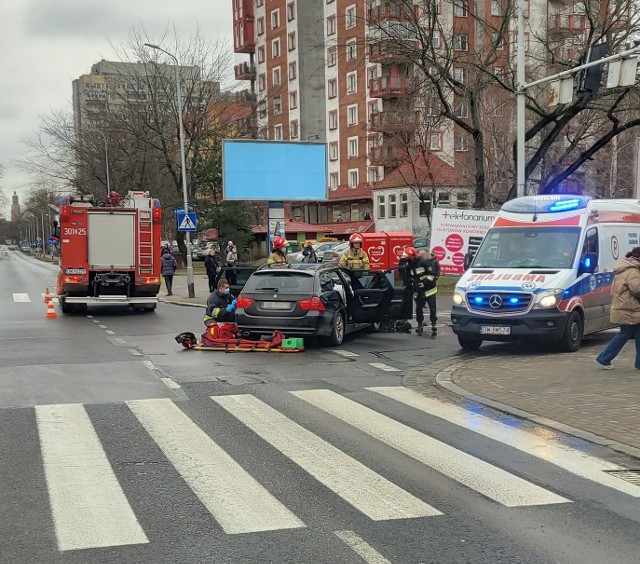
x=187 y=221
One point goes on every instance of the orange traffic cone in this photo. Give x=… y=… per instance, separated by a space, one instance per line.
x=47 y=296
x=51 y=312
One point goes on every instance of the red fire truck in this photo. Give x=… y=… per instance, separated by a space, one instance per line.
x=109 y=252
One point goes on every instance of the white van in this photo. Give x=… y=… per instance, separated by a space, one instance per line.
x=544 y=271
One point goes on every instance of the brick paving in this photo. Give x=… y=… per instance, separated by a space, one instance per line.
x=568 y=388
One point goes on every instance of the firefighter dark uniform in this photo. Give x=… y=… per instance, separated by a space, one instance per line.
x=278 y=256
x=220 y=307
x=355 y=258
x=423 y=276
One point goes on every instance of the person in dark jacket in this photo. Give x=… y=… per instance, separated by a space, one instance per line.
x=423 y=271
x=169 y=267
x=212 y=264
x=309 y=253
x=221 y=305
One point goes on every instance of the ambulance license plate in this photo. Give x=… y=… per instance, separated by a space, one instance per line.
x=276 y=305
x=491 y=330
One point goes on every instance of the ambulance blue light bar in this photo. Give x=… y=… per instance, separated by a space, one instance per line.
x=553 y=203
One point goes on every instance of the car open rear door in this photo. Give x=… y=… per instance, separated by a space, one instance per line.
x=369 y=296
x=237 y=276
x=401 y=304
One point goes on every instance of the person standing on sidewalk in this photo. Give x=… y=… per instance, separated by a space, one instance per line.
x=625 y=309
x=212 y=265
x=168 y=269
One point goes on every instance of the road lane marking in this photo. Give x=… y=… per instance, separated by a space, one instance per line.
x=120 y=341
x=21 y=298
x=96 y=321
x=102 y=326
x=89 y=316
x=347 y=354
x=488 y=480
x=134 y=352
x=385 y=367
x=378 y=498
x=170 y=383
x=236 y=500
x=361 y=547
x=539 y=444
x=149 y=364
x=88 y=505
x=110 y=332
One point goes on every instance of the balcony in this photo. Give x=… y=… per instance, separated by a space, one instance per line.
x=389 y=10
x=390 y=50
x=394 y=121
x=389 y=156
x=390 y=87
x=565 y=25
x=243 y=34
x=245 y=71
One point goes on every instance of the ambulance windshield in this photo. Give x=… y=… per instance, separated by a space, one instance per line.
x=528 y=247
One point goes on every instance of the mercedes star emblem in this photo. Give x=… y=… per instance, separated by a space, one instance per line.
x=495 y=301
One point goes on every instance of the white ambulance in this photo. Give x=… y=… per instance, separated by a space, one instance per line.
x=544 y=271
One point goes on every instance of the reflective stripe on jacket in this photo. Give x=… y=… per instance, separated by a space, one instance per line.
x=276 y=257
x=355 y=260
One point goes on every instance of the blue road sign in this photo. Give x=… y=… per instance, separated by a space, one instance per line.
x=187 y=221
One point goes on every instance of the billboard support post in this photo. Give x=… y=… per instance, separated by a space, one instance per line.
x=275 y=223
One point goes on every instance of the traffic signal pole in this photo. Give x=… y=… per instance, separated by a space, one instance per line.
x=522 y=87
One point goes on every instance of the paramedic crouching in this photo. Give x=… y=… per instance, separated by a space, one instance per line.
x=221 y=305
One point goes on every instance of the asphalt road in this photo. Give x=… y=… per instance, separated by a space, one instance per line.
x=119 y=446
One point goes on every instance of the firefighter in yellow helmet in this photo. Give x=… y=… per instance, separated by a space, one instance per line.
x=355 y=258
x=278 y=256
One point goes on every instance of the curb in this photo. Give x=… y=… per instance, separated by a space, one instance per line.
x=185 y=304
x=441 y=375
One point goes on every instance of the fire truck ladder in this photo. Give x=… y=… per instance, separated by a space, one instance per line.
x=145 y=242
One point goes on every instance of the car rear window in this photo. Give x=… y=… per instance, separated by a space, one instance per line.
x=292 y=282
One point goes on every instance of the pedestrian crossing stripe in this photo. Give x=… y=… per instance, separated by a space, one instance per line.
x=90 y=508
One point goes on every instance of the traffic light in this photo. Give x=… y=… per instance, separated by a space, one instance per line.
x=591 y=77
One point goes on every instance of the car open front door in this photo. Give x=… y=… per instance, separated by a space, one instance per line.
x=369 y=296
x=237 y=276
x=401 y=304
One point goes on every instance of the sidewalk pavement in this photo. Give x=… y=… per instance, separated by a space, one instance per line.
x=565 y=391
x=181 y=291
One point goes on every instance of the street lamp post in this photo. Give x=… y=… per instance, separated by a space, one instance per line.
x=520 y=103
x=183 y=162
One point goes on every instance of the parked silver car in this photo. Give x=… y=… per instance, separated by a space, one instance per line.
x=332 y=256
x=319 y=248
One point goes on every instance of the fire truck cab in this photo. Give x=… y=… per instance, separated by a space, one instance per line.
x=109 y=252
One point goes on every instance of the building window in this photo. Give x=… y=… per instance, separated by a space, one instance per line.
x=275 y=19
x=435 y=141
x=461 y=109
x=259 y=3
x=462 y=199
x=292 y=71
x=291 y=11
x=260 y=25
x=460 y=42
x=331 y=25
x=461 y=143
x=276 y=76
x=352 y=50
x=262 y=83
x=372 y=73
x=275 y=48
x=333 y=180
x=393 y=206
x=352 y=82
x=277 y=132
x=277 y=105
x=332 y=88
x=436 y=40
x=353 y=178
x=333 y=151
x=424 y=208
x=444 y=199
x=460 y=8
x=333 y=119
x=498 y=41
x=262 y=109
x=373 y=175
x=293 y=100
x=261 y=54
x=373 y=109
x=332 y=57
x=350 y=17
x=381 y=209
x=496 y=7
x=353 y=147
x=291 y=41
x=352 y=115
x=458 y=75
x=293 y=129
x=498 y=72
x=404 y=205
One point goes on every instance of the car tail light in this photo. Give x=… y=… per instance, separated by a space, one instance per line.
x=244 y=302
x=314 y=304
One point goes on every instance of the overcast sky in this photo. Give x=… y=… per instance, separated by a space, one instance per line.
x=45 y=44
